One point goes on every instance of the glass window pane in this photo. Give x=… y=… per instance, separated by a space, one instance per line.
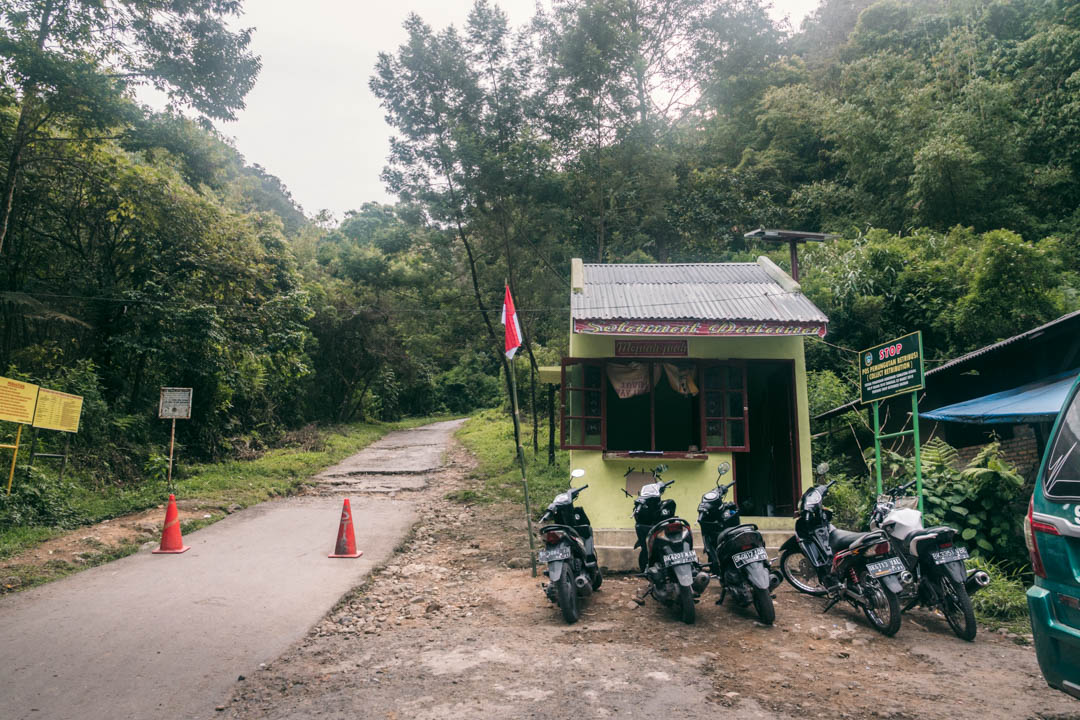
x=592 y=403
x=575 y=403
x=1062 y=474
x=592 y=432
x=713 y=433
x=736 y=435
x=593 y=376
x=714 y=377
x=574 y=434
x=714 y=405
x=734 y=377
x=734 y=405
x=575 y=375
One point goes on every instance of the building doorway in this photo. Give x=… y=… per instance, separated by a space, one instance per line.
x=767 y=482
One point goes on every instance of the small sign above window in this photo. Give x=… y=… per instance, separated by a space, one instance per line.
x=650 y=348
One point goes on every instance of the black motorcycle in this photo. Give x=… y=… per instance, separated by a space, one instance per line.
x=667 y=558
x=569 y=553
x=941 y=579
x=861 y=568
x=736 y=552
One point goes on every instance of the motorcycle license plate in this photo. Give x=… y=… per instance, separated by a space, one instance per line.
x=949 y=555
x=680 y=558
x=745 y=558
x=890 y=566
x=548 y=554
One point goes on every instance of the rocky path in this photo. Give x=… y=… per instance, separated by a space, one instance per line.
x=167 y=636
x=452 y=627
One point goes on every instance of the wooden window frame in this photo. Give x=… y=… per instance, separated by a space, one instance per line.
x=565 y=418
x=724 y=419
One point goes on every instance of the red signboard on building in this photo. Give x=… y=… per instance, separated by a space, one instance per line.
x=691 y=328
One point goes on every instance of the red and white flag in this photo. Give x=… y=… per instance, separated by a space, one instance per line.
x=513 y=327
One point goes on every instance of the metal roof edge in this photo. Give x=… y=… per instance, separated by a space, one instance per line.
x=780 y=277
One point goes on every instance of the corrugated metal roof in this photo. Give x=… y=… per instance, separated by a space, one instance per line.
x=698 y=291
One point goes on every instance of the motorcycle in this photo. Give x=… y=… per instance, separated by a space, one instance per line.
x=667 y=558
x=940 y=577
x=569 y=553
x=861 y=568
x=736 y=552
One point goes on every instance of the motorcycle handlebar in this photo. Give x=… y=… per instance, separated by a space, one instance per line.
x=577 y=490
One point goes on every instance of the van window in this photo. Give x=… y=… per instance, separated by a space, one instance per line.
x=1062 y=474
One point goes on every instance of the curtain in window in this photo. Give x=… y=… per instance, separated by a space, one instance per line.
x=629 y=379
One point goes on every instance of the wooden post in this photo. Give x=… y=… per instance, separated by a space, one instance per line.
x=172 y=441
x=14 y=456
x=521 y=461
x=551 y=424
x=63 y=463
x=794 y=260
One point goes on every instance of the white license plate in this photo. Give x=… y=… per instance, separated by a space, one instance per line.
x=949 y=555
x=680 y=558
x=885 y=567
x=744 y=558
x=558 y=553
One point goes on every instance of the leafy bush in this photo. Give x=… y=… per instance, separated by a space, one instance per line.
x=39 y=499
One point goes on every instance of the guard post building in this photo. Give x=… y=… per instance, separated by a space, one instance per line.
x=688 y=365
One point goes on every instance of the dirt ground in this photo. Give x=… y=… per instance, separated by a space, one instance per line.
x=454 y=626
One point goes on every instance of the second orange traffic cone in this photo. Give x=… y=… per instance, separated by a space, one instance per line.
x=172 y=542
x=346 y=538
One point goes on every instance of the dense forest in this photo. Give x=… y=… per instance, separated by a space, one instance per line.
x=940 y=139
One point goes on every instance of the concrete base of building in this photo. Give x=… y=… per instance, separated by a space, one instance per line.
x=615 y=549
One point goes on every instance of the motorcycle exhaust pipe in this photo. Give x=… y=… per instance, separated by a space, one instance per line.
x=977 y=580
x=583 y=584
x=775 y=578
x=701 y=581
x=906 y=577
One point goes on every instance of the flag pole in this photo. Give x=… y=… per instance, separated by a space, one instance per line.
x=521 y=461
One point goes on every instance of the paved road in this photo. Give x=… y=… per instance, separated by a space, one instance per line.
x=153 y=636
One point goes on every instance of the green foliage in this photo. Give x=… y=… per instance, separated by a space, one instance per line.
x=489 y=436
x=1005 y=598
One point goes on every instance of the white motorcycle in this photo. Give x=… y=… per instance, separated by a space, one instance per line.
x=939 y=577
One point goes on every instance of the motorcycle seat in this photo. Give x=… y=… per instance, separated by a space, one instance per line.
x=733 y=531
x=842 y=539
x=914 y=538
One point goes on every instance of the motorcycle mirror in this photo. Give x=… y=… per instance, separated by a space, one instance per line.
x=723 y=468
x=823 y=468
x=576 y=473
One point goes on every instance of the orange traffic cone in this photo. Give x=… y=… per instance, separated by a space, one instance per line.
x=346 y=540
x=172 y=543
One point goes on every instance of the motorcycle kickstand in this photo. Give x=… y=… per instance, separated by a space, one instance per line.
x=641 y=600
x=832 y=601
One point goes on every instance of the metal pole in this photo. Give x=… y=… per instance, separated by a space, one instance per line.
x=551 y=424
x=521 y=461
x=14 y=457
x=172 y=441
x=63 y=463
x=877 y=446
x=33 y=447
x=918 y=458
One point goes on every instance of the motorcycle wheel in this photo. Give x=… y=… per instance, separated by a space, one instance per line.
x=764 y=605
x=800 y=572
x=885 y=616
x=597 y=580
x=686 y=604
x=568 y=599
x=956 y=605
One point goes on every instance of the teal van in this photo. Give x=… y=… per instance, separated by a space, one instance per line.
x=1052 y=533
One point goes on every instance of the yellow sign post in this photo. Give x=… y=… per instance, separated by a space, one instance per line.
x=18 y=401
x=58 y=411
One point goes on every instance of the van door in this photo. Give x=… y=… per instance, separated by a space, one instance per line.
x=1052 y=532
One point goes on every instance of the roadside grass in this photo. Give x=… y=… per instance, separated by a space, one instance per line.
x=1002 y=603
x=489 y=436
x=279 y=472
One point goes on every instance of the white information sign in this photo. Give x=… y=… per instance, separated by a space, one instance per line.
x=175 y=404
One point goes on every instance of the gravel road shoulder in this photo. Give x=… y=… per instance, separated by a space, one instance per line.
x=453 y=626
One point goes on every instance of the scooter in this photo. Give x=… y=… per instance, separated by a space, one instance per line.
x=861 y=568
x=940 y=576
x=736 y=552
x=569 y=553
x=667 y=559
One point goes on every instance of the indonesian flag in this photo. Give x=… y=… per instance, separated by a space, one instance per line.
x=513 y=327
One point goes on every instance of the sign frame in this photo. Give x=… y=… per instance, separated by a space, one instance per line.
x=886 y=356
x=175 y=403
x=62 y=397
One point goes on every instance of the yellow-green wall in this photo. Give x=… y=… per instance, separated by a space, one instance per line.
x=604 y=502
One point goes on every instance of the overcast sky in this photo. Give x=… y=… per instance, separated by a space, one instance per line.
x=311 y=119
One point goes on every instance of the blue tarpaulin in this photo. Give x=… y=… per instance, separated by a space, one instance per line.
x=1035 y=402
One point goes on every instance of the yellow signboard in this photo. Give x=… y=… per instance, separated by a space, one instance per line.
x=17 y=400
x=57 y=411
